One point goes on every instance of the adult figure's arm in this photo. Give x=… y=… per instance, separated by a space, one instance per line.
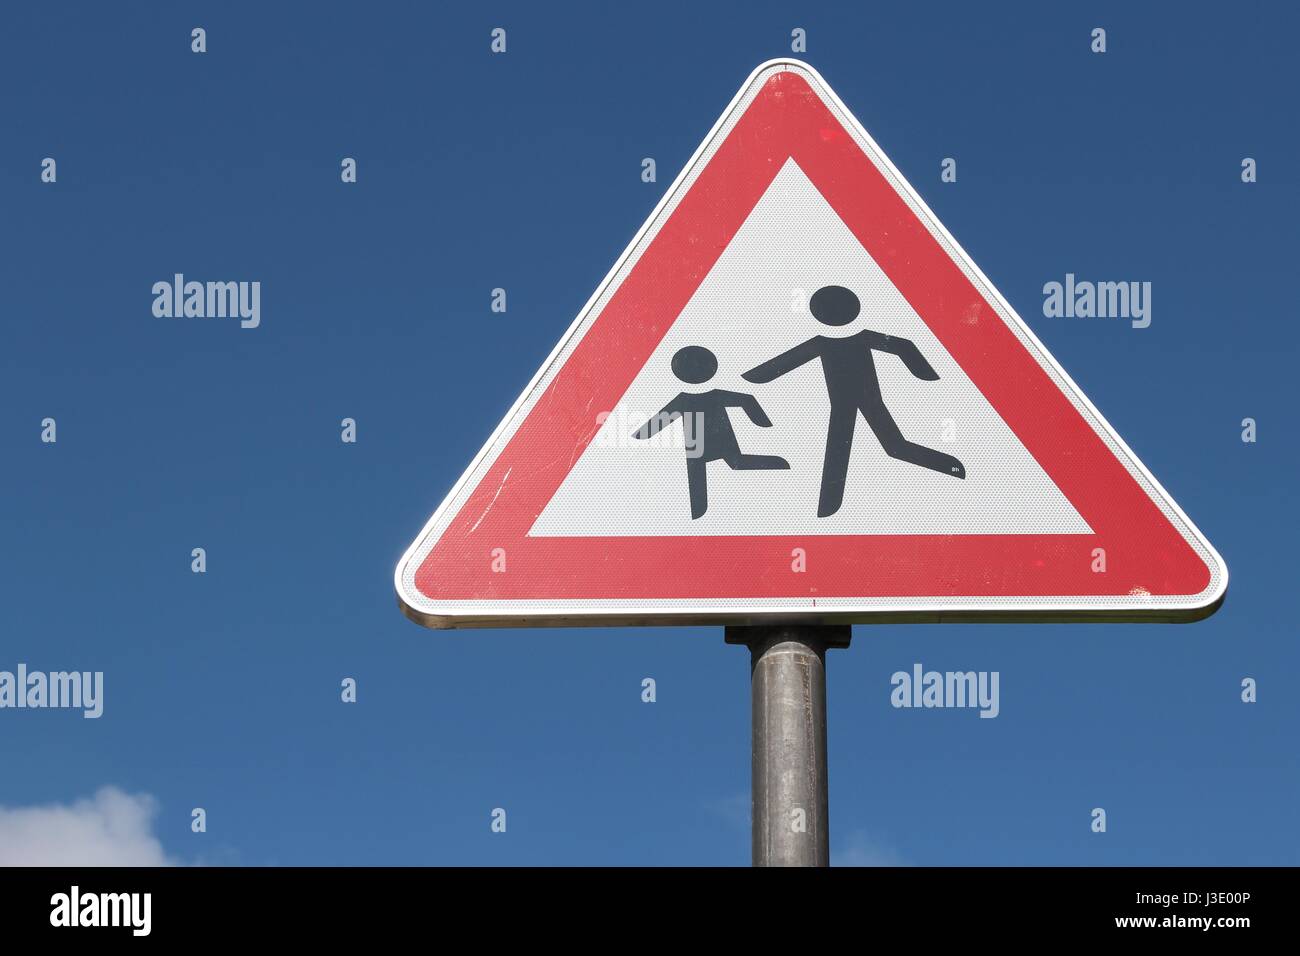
x=906 y=350
x=785 y=362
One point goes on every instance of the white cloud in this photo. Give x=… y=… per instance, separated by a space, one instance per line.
x=112 y=828
x=860 y=850
x=734 y=810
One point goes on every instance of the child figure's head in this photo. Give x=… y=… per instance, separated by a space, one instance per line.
x=694 y=364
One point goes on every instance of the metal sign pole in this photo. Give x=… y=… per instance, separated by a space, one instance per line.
x=788 y=690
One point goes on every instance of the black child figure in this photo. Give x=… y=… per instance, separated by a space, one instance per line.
x=714 y=437
x=853 y=387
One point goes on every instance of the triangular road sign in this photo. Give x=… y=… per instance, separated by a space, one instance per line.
x=795 y=397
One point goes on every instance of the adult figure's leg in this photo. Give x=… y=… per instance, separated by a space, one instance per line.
x=835 y=468
x=896 y=446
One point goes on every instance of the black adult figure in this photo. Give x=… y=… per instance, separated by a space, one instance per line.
x=853 y=387
x=714 y=437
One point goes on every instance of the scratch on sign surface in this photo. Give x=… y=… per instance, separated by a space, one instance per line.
x=504 y=479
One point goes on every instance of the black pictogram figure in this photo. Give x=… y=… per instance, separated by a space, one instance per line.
x=714 y=437
x=853 y=387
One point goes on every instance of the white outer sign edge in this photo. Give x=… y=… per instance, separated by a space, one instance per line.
x=613 y=611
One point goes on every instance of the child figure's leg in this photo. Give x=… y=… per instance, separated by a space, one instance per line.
x=697 y=481
x=742 y=462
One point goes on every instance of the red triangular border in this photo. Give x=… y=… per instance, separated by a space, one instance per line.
x=1145 y=552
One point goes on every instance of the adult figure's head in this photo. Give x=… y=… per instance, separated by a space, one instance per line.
x=834 y=305
x=694 y=364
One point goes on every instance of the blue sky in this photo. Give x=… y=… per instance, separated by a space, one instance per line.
x=523 y=171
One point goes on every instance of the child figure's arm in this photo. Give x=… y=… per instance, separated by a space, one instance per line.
x=749 y=404
x=661 y=420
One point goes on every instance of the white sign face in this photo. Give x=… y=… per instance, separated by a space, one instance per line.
x=746 y=315
x=795 y=396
